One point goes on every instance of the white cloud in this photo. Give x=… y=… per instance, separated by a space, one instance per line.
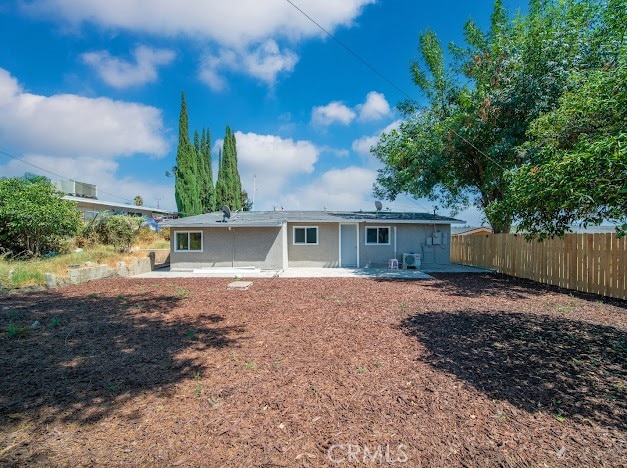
x=333 y=112
x=76 y=126
x=362 y=145
x=237 y=23
x=331 y=191
x=121 y=73
x=393 y=126
x=376 y=107
x=264 y=62
x=81 y=139
x=248 y=28
x=274 y=160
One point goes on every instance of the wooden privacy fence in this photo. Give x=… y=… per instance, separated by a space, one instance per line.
x=594 y=263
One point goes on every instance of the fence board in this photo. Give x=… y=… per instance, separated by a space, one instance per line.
x=595 y=263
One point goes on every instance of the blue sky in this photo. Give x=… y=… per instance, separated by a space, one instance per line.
x=91 y=90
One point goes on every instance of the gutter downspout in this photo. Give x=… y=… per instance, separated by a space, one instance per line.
x=395 y=252
x=232 y=247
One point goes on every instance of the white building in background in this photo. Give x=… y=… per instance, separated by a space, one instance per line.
x=87 y=203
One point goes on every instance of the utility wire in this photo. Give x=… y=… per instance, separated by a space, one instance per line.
x=351 y=51
x=394 y=85
x=56 y=174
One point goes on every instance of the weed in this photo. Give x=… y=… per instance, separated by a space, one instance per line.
x=361 y=370
x=54 y=322
x=560 y=417
x=16 y=331
x=404 y=306
x=250 y=365
x=95 y=295
x=215 y=402
x=378 y=365
x=277 y=362
x=564 y=309
x=182 y=291
x=190 y=334
x=26 y=277
x=198 y=387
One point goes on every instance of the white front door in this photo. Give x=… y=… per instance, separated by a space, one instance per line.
x=348 y=245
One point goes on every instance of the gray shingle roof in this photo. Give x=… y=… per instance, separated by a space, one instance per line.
x=277 y=218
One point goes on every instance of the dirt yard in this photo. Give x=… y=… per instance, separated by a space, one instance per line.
x=471 y=370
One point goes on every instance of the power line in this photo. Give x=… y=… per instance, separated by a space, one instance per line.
x=351 y=51
x=398 y=88
x=56 y=174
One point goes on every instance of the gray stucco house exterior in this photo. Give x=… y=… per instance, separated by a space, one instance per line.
x=282 y=239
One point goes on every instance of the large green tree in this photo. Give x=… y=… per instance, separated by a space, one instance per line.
x=207 y=192
x=576 y=168
x=186 y=189
x=229 y=185
x=34 y=219
x=458 y=148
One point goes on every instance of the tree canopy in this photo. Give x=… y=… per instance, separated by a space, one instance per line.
x=34 y=219
x=186 y=190
x=576 y=156
x=194 y=189
x=479 y=133
x=229 y=183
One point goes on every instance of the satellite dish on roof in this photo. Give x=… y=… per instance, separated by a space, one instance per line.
x=378 y=205
x=226 y=211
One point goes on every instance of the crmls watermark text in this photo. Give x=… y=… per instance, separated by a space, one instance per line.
x=353 y=453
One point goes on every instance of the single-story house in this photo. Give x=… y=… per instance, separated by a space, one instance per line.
x=282 y=239
x=470 y=231
x=89 y=208
x=85 y=196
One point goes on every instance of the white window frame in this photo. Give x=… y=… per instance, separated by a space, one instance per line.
x=176 y=233
x=377 y=228
x=305 y=228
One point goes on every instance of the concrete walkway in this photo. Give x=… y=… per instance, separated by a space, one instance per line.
x=309 y=273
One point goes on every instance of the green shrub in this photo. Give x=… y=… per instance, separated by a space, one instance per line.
x=120 y=231
x=34 y=219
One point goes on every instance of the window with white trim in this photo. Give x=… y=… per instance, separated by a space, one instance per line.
x=305 y=235
x=378 y=235
x=188 y=241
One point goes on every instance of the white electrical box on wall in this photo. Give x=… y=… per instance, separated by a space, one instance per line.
x=437 y=238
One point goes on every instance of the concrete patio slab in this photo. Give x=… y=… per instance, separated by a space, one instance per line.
x=309 y=273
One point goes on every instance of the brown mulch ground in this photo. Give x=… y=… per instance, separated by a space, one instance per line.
x=466 y=369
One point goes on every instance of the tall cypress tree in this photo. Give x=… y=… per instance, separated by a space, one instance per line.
x=237 y=183
x=221 y=184
x=231 y=185
x=186 y=187
x=207 y=196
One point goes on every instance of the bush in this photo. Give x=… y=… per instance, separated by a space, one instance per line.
x=34 y=219
x=120 y=231
x=87 y=238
